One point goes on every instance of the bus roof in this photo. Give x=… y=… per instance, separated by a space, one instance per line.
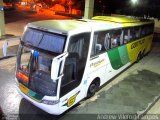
x=58 y=26
x=86 y=25
x=116 y=19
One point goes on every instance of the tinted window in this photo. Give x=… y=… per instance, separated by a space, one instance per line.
x=100 y=42
x=104 y=40
x=116 y=38
x=33 y=37
x=148 y=29
x=52 y=43
x=131 y=34
x=37 y=66
x=126 y=37
x=137 y=32
x=43 y=40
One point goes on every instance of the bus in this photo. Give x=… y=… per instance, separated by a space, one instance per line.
x=61 y=62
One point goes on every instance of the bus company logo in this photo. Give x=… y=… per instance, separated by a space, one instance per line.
x=136 y=44
x=71 y=100
x=97 y=63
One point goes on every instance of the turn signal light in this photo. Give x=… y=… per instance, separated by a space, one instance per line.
x=22 y=76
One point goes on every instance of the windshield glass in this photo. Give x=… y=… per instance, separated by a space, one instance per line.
x=37 y=67
x=44 y=40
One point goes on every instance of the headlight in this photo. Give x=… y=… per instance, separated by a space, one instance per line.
x=25 y=28
x=50 y=102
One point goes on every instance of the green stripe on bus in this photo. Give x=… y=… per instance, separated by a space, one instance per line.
x=124 y=54
x=115 y=59
x=35 y=95
x=118 y=57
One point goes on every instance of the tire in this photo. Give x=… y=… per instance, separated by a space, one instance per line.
x=92 y=89
x=139 y=57
x=143 y=54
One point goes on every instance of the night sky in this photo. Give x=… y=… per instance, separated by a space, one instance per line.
x=113 y=5
x=116 y=3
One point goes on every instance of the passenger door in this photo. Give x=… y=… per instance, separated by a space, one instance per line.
x=74 y=66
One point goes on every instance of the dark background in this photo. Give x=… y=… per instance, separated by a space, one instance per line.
x=143 y=8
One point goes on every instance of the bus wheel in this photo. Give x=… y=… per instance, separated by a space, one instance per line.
x=138 y=57
x=92 y=89
x=143 y=54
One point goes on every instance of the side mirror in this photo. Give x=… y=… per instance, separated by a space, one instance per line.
x=57 y=64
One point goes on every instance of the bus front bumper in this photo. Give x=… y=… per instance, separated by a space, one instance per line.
x=51 y=109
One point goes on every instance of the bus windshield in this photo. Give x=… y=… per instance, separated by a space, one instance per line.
x=34 y=71
x=44 y=40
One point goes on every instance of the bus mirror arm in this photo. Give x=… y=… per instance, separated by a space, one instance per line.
x=61 y=56
x=60 y=76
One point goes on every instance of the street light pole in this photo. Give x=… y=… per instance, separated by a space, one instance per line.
x=2 y=24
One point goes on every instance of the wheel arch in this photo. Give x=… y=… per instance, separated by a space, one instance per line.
x=95 y=80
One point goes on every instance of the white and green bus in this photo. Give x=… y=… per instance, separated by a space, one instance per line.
x=60 y=62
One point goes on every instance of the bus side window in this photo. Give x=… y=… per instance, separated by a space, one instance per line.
x=98 y=45
x=126 y=37
x=113 y=41
x=121 y=37
x=147 y=30
x=93 y=52
x=116 y=38
x=143 y=31
x=131 y=34
x=100 y=42
x=150 y=28
x=137 y=31
x=107 y=41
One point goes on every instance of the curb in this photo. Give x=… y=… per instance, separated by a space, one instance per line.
x=7 y=36
x=3 y=58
